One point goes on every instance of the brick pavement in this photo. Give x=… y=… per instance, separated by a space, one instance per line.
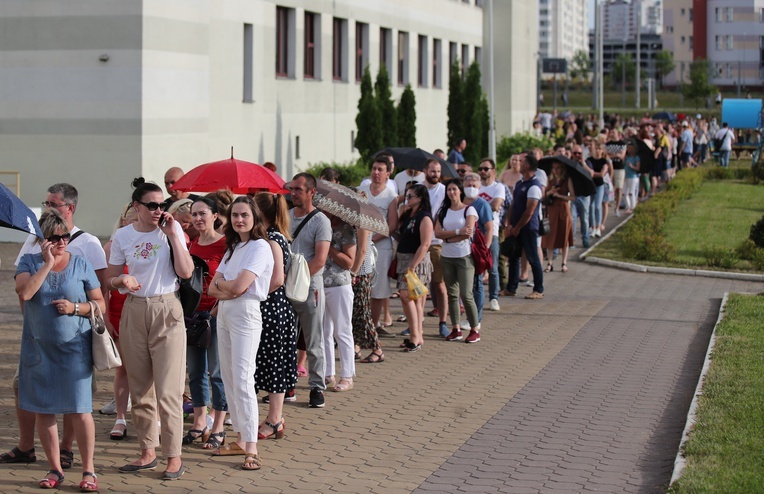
x=585 y=390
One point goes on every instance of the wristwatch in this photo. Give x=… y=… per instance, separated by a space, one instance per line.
x=76 y=309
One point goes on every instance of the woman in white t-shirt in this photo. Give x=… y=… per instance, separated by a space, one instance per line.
x=455 y=224
x=152 y=329
x=242 y=281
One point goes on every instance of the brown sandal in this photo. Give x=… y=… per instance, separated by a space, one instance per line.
x=252 y=461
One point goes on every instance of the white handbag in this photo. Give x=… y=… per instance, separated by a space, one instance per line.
x=297 y=283
x=105 y=353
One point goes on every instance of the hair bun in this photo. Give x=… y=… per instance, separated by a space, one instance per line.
x=137 y=182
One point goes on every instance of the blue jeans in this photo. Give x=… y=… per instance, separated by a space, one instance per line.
x=724 y=158
x=200 y=361
x=581 y=209
x=529 y=239
x=494 y=282
x=478 y=294
x=595 y=209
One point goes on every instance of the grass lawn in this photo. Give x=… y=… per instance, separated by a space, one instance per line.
x=720 y=214
x=725 y=451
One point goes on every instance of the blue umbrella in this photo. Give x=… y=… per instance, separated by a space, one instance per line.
x=15 y=214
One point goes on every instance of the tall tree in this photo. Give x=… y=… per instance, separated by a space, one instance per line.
x=475 y=129
x=624 y=66
x=580 y=66
x=699 y=87
x=368 y=120
x=386 y=106
x=456 y=113
x=406 y=113
x=664 y=64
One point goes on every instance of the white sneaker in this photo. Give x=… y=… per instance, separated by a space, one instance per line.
x=110 y=409
x=495 y=305
x=617 y=213
x=228 y=420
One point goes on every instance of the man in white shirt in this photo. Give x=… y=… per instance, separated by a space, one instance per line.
x=437 y=193
x=391 y=184
x=409 y=175
x=63 y=198
x=493 y=193
x=726 y=135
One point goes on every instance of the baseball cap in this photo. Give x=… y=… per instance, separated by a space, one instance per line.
x=685 y=124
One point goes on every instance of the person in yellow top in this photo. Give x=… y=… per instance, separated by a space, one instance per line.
x=662 y=150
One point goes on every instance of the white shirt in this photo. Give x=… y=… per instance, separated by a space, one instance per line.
x=437 y=195
x=452 y=221
x=366 y=182
x=382 y=202
x=147 y=256
x=403 y=178
x=726 y=134
x=85 y=245
x=489 y=193
x=256 y=257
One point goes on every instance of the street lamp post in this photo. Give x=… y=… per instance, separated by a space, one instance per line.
x=639 y=51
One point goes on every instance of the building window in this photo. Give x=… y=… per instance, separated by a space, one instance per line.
x=682 y=12
x=386 y=49
x=730 y=42
x=730 y=15
x=761 y=15
x=312 y=69
x=682 y=39
x=729 y=70
x=437 y=70
x=691 y=42
x=284 y=42
x=403 y=58
x=453 y=55
x=339 y=49
x=361 y=49
x=421 y=75
x=719 y=14
x=465 y=59
x=719 y=43
x=690 y=16
x=478 y=55
x=248 y=50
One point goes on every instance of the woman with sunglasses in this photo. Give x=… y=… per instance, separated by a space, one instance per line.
x=414 y=234
x=56 y=367
x=152 y=328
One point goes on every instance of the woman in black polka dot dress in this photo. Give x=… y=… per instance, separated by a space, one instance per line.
x=277 y=355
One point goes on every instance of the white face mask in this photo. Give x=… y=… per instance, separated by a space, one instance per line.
x=471 y=192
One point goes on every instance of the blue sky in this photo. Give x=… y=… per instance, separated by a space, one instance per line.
x=591 y=14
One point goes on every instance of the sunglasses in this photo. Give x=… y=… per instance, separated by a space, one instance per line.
x=484 y=168
x=410 y=196
x=151 y=206
x=461 y=172
x=49 y=204
x=54 y=239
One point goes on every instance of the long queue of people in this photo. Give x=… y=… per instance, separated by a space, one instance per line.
x=261 y=340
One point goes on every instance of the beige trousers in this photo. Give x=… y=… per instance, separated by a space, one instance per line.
x=153 y=338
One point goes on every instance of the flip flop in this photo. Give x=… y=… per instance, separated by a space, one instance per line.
x=232 y=449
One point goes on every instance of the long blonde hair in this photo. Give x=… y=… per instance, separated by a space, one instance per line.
x=274 y=209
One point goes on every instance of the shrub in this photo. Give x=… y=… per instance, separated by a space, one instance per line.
x=757 y=173
x=351 y=174
x=746 y=249
x=719 y=257
x=758 y=260
x=517 y=143
x=757 y=233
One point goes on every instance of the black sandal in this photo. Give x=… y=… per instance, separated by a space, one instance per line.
x=374 y=358
x=194 y=435
x=216 y=440
x=17 y=456
x=67 y=459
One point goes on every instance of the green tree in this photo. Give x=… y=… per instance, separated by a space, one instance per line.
x=475 y=118
x=456 y=113
x=664 y=64
x=580 y=66
x=699 y=87
x=623 y=63
x=386 y=105
x=406 y=113
x=368 y=121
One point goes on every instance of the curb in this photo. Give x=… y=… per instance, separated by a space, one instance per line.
x=680 y=462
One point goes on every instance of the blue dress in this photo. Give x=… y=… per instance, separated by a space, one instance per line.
x=56 y=364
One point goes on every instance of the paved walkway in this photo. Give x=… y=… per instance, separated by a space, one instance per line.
x=585 y=390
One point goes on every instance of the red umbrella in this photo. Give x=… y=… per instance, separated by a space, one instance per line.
x=238 y=176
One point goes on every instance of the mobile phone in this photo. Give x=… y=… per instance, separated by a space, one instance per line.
x=164 y=220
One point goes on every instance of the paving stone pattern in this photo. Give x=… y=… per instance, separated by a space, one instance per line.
x=586 y=390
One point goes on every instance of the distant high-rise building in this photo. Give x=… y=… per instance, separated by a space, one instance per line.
x=563 y=27
x=678 y=37
x=619 y=18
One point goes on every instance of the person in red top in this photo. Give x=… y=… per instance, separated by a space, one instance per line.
x=210 y=246
x=116 y=302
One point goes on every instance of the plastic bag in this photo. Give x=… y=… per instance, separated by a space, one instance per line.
x=417 y=289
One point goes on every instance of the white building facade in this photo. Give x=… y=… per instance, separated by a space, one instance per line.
x=563 y=28
x=97 y=92
x=619 y=18
x=735 y=42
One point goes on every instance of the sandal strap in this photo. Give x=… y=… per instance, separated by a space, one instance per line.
x=54 y=472
x=275 y=426
x=120 y=422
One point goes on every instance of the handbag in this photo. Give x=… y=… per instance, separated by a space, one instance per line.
x=392 y=271
x=482 y=256
x=297 y=279
x=416 y=288
x=511 y=247
x=191 y=289
x=105 y=353
x=544 y=227
x=199 y=330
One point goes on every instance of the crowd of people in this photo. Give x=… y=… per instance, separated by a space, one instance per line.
x=263 y=341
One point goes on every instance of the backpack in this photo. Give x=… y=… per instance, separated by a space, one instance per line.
x=297 y=281
x=718 y=142
x=190 y=290
x=481 y=254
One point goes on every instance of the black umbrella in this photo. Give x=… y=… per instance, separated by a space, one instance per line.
x=665 y=115
x=583 y=184
x=415 y=158
x=16 y=215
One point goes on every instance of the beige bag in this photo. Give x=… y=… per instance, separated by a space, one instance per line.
x=105 y=354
